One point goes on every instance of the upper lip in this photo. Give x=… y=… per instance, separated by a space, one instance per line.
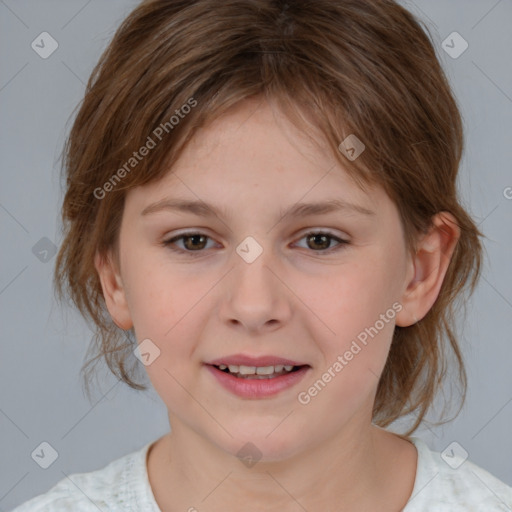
x=245 y=360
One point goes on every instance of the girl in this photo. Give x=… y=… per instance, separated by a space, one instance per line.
x=261 y=211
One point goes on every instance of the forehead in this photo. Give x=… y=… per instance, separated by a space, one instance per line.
x=254 y=153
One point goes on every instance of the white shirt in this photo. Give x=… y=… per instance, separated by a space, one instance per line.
x=123 y=486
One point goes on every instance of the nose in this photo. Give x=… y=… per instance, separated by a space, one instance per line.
x=255 y=296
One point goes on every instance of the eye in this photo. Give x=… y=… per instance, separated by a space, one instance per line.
x=322 y=239
x=195 y=242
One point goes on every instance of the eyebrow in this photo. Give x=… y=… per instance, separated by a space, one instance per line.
x=203 y=209
x=298 y=210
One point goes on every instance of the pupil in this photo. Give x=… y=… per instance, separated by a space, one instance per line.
x=192 y=246
x=324 y=237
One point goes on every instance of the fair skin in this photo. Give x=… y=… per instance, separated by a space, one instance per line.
x=295 y=300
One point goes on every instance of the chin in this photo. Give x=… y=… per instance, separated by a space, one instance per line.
x=256 y=445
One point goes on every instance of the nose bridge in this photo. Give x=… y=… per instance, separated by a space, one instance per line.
x=254 y=259
x=255 y=295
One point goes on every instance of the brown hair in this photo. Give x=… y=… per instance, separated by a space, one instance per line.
x=341 y=66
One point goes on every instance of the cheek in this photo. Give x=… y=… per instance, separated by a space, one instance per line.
x=165 y=307
x=158 y=296
x=354 y=296
x=356 y=304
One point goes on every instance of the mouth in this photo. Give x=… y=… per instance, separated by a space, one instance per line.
x=258 y=372
x=253 y=378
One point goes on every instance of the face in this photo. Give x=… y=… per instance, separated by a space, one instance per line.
x=319 y=289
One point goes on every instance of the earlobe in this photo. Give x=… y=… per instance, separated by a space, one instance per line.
x=430 y=264
x=113 y=290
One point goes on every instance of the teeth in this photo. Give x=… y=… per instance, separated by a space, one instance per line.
x=247 y=370
x=265 y=370
x=256 y=370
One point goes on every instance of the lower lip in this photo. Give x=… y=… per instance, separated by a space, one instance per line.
x=257 y=388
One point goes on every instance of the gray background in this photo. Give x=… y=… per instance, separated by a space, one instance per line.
x=43 y=345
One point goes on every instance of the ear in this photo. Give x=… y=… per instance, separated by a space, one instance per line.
x=113 y=290
x=428 y=268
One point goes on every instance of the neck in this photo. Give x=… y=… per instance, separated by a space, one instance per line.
x=358 y=469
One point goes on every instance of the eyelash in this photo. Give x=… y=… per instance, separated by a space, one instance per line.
x=168 y=243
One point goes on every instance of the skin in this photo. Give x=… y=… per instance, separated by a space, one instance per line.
x=292 y=301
